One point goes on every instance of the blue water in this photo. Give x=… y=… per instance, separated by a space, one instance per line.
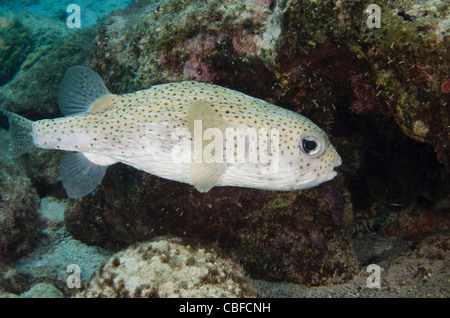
x=91 y=10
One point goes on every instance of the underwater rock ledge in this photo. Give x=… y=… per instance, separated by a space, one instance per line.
x=298 y=236
x=18 y=219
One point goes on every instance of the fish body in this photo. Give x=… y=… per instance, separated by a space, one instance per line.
x=191 y=132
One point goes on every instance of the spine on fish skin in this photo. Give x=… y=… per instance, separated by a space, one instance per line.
x=20 y=130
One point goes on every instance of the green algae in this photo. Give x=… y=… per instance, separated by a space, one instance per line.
x=15 y=44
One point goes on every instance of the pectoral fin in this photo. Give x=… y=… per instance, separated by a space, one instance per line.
x=205 y=175
x=79 y=175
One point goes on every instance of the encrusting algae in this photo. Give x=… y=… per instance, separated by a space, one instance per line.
x=169 y=268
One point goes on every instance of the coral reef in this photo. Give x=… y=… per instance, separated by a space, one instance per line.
x=409 y=63
x=33 y=90
x=14 y=47
x=380 y=94
x=169 y=268
x=335 y=70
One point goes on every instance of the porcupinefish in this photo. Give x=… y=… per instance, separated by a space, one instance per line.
x=197 y=133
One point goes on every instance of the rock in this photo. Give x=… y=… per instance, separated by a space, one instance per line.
x=18 y=219
x=414 y=224
x=169 y=268
x=42 y=290
x=371 y=248
x=14 y=47
x=4 y=294
x=408 y=64
x=275 y=235
x=33 y=90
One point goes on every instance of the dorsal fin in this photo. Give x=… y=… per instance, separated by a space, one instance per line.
x=81 y=91
x=205 y=175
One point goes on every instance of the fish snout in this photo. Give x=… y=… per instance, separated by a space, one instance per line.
x=335 y=161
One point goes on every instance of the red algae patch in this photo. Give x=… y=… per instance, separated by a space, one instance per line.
x=446 y=87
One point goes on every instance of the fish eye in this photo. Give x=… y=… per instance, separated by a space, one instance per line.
x=312 y=145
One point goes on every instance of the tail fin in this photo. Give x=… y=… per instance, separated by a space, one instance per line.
x=20 y=130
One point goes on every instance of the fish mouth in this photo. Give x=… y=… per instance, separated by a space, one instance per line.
x=331 y=174
x=337 y=159
x=337 y=163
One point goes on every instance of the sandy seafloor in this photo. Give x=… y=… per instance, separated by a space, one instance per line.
x=405 y=272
